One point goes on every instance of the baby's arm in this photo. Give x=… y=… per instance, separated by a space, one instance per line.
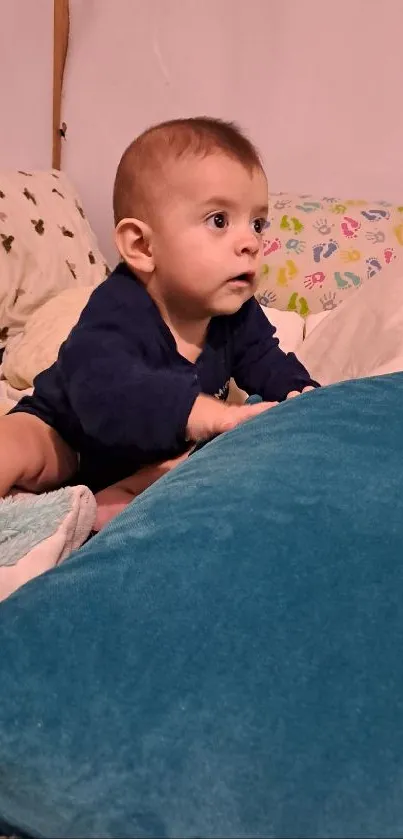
x=122 y=402
x=259 y=365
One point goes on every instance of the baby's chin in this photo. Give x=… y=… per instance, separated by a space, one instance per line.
x=231 y=304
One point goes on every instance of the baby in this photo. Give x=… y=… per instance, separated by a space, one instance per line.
x=135 y=385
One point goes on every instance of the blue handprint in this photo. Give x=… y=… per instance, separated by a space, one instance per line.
x=375 y=237
x=295 y=246
x=266 y=298
x=328 y=301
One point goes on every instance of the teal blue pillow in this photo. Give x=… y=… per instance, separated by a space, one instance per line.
x=225 y=659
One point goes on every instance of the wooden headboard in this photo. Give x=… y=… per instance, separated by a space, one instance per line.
x=61 y=26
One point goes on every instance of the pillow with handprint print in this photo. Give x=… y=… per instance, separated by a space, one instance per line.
x=317 y=251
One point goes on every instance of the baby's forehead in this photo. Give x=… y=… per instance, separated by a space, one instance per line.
x=202 y=179
x=198 y=154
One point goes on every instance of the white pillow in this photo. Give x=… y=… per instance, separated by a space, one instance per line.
x=289 y=327
x=312 y=321
x=362 y=337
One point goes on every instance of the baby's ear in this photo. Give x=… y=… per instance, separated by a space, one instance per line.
x=133 y=241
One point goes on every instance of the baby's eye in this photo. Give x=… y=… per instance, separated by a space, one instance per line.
x=218 y=220
x=259 y=224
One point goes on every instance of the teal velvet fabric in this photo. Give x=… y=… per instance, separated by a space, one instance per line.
x=225 y=659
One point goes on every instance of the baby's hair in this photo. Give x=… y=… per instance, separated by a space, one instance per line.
x=143 y=160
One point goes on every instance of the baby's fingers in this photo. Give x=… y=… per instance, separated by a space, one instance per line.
x=293 y=393
x=250 y=411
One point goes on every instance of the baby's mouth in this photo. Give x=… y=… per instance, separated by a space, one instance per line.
x=245 y=278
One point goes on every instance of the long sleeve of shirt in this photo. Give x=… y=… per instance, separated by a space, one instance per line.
x=259 y=365
x=119 y=384
x=124 y=400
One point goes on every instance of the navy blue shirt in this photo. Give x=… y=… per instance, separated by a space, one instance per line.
x=120 y=394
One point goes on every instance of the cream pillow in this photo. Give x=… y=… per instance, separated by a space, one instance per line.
x=5 y=407
x=37 y=346
x=46 y=244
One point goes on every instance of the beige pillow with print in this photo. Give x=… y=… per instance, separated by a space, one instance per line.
x=318 y=251
x=36 y=347
x=46 y=244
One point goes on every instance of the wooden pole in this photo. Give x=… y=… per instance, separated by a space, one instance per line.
x=61 y=23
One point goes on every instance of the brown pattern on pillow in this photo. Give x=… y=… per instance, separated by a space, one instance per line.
x=7 y=242
x=44 y=252
x=39 y=226
x=72 y=268
x=29 y=196
x=67 y=232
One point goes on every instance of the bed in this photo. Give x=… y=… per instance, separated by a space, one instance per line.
x=228 y=670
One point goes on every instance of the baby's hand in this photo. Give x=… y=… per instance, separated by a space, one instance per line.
x=210 y=417
x=293 y=393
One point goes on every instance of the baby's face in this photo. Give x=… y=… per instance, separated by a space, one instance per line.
x=207 y=235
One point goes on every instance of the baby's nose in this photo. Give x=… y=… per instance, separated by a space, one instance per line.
x=247 y=242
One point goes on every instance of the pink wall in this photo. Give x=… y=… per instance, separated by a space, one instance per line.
x=317 y=84
x=335 y=82
x=26 y=55
x=134 y=63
